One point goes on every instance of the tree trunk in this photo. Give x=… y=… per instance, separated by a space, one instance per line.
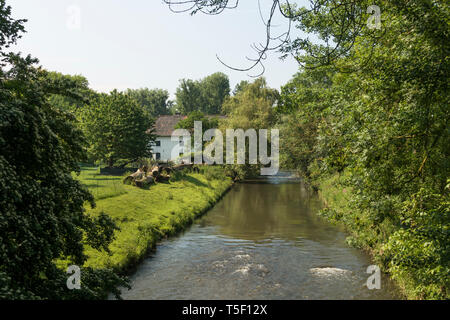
x=110 y=162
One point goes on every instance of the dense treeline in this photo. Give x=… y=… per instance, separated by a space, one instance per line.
x=368 y=118
x=206 y=95
x=378 y=118
x=49 y=124
x=369 y=110
x=42 y=214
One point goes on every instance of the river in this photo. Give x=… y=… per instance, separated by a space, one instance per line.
x=263 y=240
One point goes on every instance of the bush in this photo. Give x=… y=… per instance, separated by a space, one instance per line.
x=212 y=172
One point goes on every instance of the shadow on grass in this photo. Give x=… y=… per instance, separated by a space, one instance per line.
x=101 y=179
x=109 y=196
x=194 y=181
x=93 y=185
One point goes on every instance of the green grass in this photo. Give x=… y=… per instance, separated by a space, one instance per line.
x=146 y=216
x=101 y=187
x=333 y=194
x=386 y=241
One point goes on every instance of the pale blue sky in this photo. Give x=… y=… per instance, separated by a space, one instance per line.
x=141 y=43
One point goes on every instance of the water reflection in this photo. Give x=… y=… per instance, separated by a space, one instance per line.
x=262 y=241
x=265 y=211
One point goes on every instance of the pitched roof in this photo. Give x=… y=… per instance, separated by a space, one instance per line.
x=165 y=125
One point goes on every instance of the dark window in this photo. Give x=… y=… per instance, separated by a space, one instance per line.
x=158 y=143
x=158 y=156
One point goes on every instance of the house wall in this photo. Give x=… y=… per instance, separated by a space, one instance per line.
x=165 y=150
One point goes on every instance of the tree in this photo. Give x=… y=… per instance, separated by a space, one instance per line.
x=206 y=95
x=252 y=108
x=155 y=101
x=214 y=89
x=240 y=87
x=304 y=103
x=384 y=127
x=189 y=97
x=116 y=127
x=188 y=123
x=75 y=91
x=42 y=214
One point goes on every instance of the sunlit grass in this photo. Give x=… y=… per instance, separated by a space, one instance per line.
x=101 y=187
x=145 y=216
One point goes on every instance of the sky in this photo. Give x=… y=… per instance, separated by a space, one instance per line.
x=120 y=44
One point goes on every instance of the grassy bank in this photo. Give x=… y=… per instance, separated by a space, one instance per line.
x=418 y=268
x=146 y=216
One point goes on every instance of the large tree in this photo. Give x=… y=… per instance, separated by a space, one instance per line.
x=42 y=214
x=155 y=101
x=206 y=95
x=251 y=108
x=215 y=89
x=189 y=96
x=116 y=127
x=303 y=105
x=77 y=93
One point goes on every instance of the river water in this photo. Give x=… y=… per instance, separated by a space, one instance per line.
x=261 y=241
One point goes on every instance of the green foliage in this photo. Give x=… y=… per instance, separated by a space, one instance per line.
x=206 y=95
x=188 y=96
x=240 y=87
x=10 y=29
x=146 y=216
x=418 y=254
x=380 y=116
x=177 y=175
x=70 y=93
x=188 y=122
x=303 y=105
x=214 y=88
x=116 y=127
x=42 y=214
x=240 y=172
x=252 y=108
x=155 y=101
x=212 y=173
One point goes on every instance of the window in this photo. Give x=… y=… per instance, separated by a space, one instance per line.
x=181 y=154
x=158 y=143
x=158 y=155
x=181 y=143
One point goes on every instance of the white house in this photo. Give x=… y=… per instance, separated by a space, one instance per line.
x=163 y=147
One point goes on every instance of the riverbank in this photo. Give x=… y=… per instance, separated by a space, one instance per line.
x=262 y=241
x=384 y=242
x=146 y=216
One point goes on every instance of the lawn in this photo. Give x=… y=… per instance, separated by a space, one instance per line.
x=146 y=216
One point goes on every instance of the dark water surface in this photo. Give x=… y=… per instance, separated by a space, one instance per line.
x=262 y=241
